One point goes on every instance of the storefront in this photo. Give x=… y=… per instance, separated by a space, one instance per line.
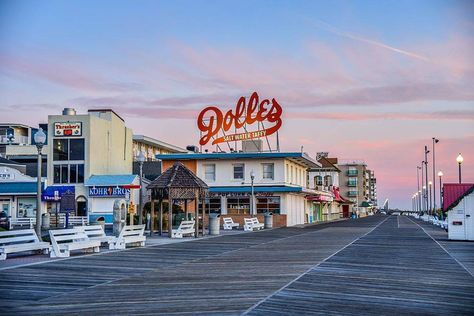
x=52 y=196
x=105 y=190
x=17 y=194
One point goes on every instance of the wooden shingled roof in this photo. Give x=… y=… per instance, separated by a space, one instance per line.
x=179 y=182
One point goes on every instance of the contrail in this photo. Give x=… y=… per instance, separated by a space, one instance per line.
x=334 y=30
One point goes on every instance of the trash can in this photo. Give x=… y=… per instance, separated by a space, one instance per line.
x=214 y=223
x=45 y=221
x=268 y=220
x=101 y=221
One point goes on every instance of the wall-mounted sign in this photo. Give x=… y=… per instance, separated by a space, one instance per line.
x=111 y=191
x=6 y=176
x=214 y=124
x=67 y=129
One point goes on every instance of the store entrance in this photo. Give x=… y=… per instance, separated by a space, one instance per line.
x=5 y=206
x=81 y=206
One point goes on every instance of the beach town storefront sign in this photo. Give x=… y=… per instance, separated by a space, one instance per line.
x=214 y=124
x=109 y=191
x=67 y=129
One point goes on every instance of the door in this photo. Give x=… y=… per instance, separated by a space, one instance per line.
x=345 y=211
x=469 y=211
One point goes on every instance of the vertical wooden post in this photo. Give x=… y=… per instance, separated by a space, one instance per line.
x=152 y=209
x=196 y=217
x=185 y=210
x=203 y=215
x=161 y=217
x=170 y=217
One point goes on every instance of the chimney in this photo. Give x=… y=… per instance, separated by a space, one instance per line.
x=69 y=111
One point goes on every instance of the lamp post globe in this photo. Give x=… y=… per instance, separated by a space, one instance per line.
x=459 y=160
x=40 y=139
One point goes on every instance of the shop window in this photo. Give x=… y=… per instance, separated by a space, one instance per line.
x=268 y=171
x=210 y=172
x=26 y=207
x=239 y=171
x=213 y=205
x=64 y=174
x=238 y=205
x=268 y=204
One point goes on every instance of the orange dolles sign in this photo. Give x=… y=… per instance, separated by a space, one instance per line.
x=211 y=120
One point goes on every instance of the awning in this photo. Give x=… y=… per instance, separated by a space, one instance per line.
x=55 y=192
x=18 y=188
x=257 y=189
x=111 y=180
x=320 y=198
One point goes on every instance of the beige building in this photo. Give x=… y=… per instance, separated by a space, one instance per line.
x=354 y=184
x=152 y=147
x=95 y=147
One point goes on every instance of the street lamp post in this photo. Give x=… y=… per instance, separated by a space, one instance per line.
x=40 y=139
x=423 y=194
x=252 y=177
x=426 y=175
x=440 y=174
x=459 y=160
x=435 y=141
x=418 y=185
x=141 y=159
x=430 y=184
x=422 y=197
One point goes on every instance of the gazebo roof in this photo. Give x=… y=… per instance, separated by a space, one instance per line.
x=177 y=178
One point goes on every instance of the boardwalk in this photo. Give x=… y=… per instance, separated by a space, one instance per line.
x=376 y=265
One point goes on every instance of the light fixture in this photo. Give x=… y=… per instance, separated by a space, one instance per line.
x=459 y=159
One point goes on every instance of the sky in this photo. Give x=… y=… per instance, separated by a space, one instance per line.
x=367 y=80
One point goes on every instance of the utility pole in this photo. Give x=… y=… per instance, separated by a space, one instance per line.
x=435 y=141
x=426 y=176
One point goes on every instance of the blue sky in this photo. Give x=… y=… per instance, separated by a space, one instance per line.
x=371 y=80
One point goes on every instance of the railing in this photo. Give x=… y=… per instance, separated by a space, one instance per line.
x=351 y=183
x=352 y=193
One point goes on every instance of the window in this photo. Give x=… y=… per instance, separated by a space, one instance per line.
x=268 y=204
x=239 y=171
x=327 y=181
x=238 y=205
x=60 y=149
x=287 y=173
x=268 y=171
x=68 y=149
x=76 y=149
x=213 y=205
x=68 y=173
x=291 y=174
x=210 y=172
x=26 y=207
x=318 y=180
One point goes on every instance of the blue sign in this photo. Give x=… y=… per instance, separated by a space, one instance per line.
x=111 y=191
x=55 y=192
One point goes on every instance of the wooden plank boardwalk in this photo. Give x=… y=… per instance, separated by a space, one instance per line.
x=376 y=265
x=395 y=269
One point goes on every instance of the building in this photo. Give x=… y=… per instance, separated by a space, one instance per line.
x=458 y=201
x=280 y=183
x=354 y=184
x=90 y=155
x=17 y=193
x=373 y=188
x=328 y=205
x=17 y=144
x=152 y=147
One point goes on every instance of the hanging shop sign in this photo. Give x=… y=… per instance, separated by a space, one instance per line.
x=67 y=129
x=110 y=191
x=214 y=124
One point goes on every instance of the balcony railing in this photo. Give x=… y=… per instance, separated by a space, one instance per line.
x=352 y=172
x=351 y=183
x=352 y=193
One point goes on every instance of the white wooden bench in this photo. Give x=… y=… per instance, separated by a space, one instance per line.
x=63 y=241
x=229 y=223
x=95 y=232
x=22 y=221
x=251 y=224
x=185 y=228
x=19 y=241
x=78 y=220
x=133 y=234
